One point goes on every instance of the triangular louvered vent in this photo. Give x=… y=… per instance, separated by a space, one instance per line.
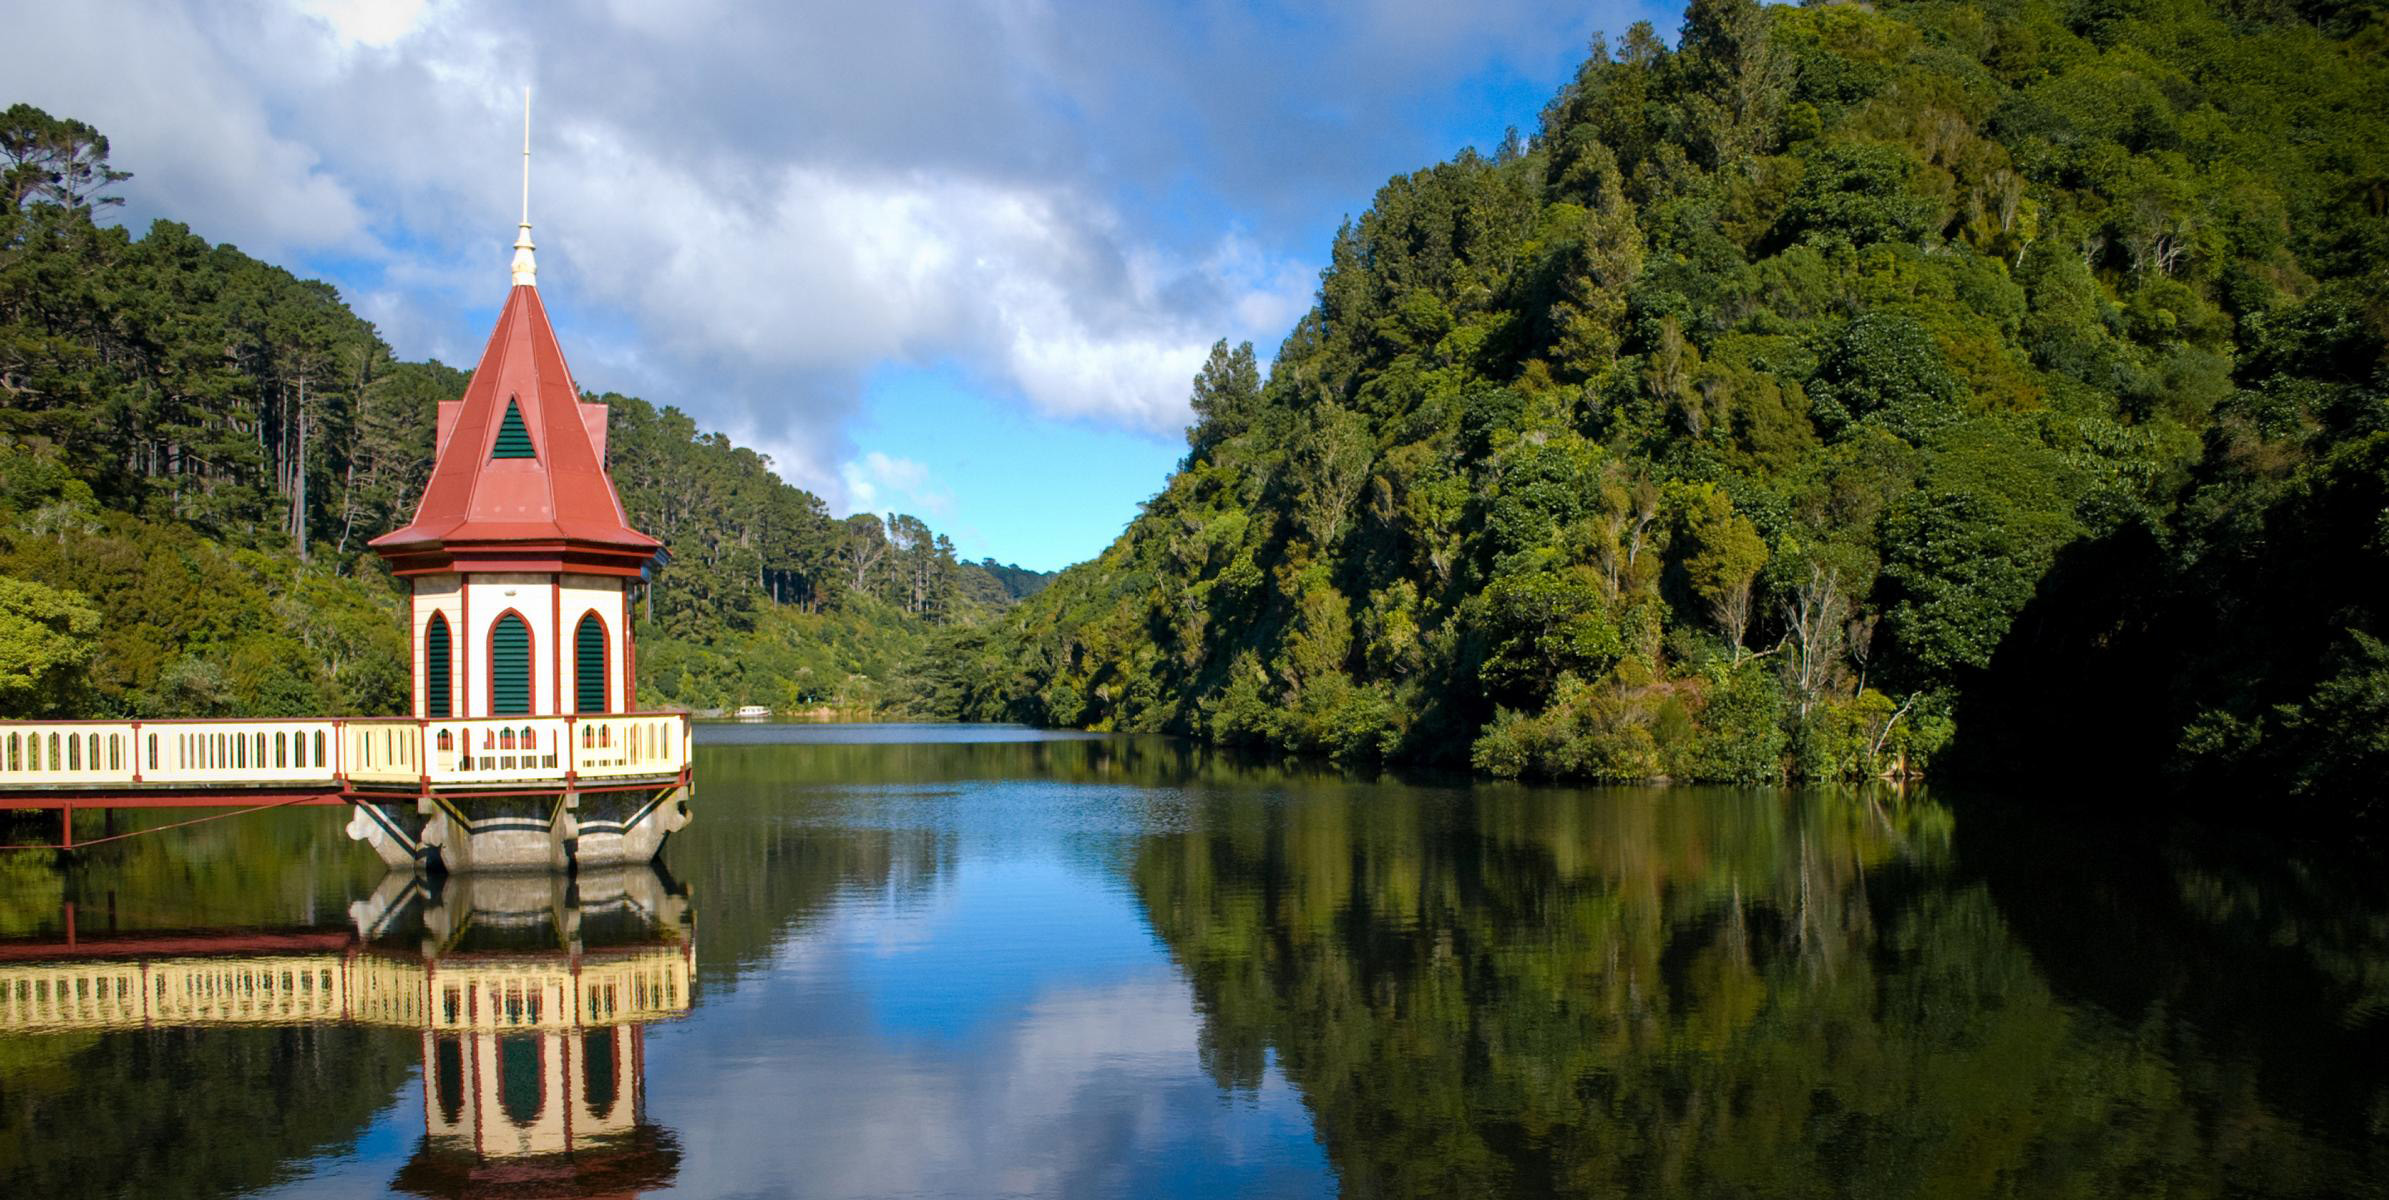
x=514 y=440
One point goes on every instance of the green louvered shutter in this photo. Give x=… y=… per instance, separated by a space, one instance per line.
x=439 y=663
x=510 y=668
x=589 y=665
x=514 y=440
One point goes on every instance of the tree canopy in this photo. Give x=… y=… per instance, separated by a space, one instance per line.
x=1790 y=402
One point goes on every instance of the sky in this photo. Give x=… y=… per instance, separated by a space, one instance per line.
x=958 y=258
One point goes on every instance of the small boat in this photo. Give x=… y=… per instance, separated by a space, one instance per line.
x=751 y=712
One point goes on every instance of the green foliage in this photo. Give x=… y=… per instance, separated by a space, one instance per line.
x=182 y=625
x=1609 y=731
x=1734 y=423
x=52 y=160
x=1226 y=397
x=1884 y=368
x=857 y=658
x=1969 y=544
x=46 y=637
x=1723 y=556
x=1741 y=738
x=2345 y=720
x=1857 y=194
x=1538 y=625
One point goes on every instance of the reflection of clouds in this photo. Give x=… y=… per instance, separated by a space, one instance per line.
x=1089 y=1091
x=905 y=915
x=1063 y=1061
x=1011 y=1028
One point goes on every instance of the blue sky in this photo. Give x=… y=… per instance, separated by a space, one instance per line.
x=950 y=258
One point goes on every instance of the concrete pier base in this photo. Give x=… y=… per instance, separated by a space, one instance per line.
x=441 y=912
x=550 y=832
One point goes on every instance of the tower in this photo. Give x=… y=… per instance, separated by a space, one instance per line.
x=519 y=555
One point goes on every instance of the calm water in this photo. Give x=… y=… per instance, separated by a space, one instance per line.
x=907 y=961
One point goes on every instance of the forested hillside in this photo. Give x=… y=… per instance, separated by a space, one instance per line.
x=1833 y=383
x=195 y=447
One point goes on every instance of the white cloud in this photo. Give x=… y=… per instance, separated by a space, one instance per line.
x=745 y=213
x=198 y=135
x=878 y=481
x=1037 y=287
x=741 y=265
x=372 y=23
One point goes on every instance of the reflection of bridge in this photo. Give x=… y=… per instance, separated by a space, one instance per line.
x=534 y=1060
x=499 y=993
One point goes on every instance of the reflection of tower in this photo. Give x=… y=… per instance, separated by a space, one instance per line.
x=508 y=1095
x=547 y=1112
x=534 y=1053
x=531 y=994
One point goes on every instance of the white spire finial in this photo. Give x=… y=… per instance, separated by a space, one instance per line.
x=526 y=269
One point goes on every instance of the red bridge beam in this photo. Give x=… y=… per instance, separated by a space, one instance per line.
x=182 y=944
x=172 y=798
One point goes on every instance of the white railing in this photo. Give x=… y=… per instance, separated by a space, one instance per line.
x=250 y=991
x=69 y=752
x=213 y=752
x=629 y=745
x=509 y=750
x=167 y=752
x=382 y=751
x=336 y=751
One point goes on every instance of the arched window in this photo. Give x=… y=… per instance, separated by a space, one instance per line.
x=439 y=667
x=589 y=665
x=599 y=1086
x=448 y=1079
x=510 y=667
x=522 y=1082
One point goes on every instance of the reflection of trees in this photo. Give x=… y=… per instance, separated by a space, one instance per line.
x=1681 y=993
x=1127 y=760
x=783 y=830
x=2260 y=966
x=267 y=868
x=764 y=879
x=189 y=1112
x=761 y=858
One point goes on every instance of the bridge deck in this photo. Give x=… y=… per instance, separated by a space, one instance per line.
x=329 y=760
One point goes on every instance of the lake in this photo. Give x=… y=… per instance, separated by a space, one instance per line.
x=972 y=961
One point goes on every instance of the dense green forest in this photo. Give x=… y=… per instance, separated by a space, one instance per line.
x=195 y=447
x=1839 y=388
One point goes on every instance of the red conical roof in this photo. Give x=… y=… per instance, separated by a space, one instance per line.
x=553 y=510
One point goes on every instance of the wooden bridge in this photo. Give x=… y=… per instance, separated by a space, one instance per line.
x=71 y=766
